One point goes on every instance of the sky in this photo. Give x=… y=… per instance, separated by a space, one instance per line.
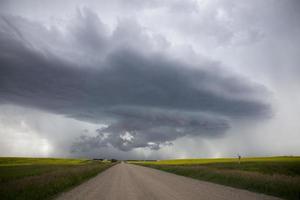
x=149 y=79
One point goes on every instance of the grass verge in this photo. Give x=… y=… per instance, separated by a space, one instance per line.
x=41 y=178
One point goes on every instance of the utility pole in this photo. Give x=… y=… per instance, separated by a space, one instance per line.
x=239 y=157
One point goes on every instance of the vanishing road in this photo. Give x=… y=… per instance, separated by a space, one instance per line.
x=131 y=182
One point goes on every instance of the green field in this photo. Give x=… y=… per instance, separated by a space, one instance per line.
x=278 y=176
x=43 y=178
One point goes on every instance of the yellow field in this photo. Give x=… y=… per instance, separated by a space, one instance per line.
x=220 y=160
x=13 y=161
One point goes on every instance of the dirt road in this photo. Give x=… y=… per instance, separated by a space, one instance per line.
x=131 y=182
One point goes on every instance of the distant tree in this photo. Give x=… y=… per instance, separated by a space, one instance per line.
x=99 y=159
x=113 y=160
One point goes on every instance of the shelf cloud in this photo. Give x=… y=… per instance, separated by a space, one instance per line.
x=145 y=76
x=151 y=97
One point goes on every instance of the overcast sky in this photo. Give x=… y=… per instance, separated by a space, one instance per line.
x=153 y=79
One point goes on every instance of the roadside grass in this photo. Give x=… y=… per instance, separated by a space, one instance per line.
x=278 y=176
x=43 y=178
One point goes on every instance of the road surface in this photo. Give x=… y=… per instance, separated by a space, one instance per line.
x=131 y=182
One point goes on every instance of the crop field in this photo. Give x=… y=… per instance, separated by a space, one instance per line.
x=278 y=176
x=43 y=178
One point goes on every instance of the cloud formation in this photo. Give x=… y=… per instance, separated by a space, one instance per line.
x=122 y=78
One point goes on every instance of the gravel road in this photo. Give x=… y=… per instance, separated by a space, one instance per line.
x=131 y=182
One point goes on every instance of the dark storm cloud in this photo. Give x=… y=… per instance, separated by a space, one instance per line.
x=152 y=128
x=147 y=99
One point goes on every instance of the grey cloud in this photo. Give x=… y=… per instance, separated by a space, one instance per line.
x=147 y=99
x=152 y=128
x=88 y=31
x=224 y=23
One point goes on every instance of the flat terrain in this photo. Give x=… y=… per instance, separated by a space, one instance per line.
x=263 y=160
x=277 y=176
x=42 y=178
x=132 y=182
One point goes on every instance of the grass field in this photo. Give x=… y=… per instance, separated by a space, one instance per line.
x=43 y=178
x=278 y=176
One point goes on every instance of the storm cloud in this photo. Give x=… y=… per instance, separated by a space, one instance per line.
x=122 y=78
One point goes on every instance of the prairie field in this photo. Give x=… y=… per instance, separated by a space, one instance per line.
x=278 y=176
x=43 y=178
